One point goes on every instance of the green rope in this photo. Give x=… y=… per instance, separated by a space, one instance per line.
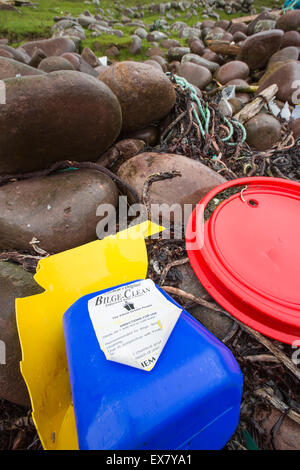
x=290 y=6
x=205 y=113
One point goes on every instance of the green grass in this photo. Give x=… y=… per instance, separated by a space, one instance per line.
x=28 y=23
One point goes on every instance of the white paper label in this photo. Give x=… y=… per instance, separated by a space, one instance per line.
x=133 y=323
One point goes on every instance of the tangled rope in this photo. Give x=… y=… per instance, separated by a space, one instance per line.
x=205 y=113
x=291 y=5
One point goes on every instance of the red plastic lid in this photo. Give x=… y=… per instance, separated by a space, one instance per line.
x=249 y=257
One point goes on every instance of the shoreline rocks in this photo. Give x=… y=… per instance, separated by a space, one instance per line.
x=14 y=283
x=51 y=47
x=145 y=94
x=57 y=116
x=195 y=181
x=58 y=210
x=10 y=68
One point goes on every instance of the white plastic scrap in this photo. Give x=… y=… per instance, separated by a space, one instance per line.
x=273 y=107
x=227 y=94
x=103 y=60
x=296 y=112
x=285 y=112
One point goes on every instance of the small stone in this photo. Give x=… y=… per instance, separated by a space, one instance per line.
x=36 y=58
x=18 y=54
x=217 y=323
x=51 y=47
x=89 y=56
x=9 y=68
x=195 y=59
x=51 y=64
x=195 y=74
x=112 y=51
x=14 y=283
x=239 y=36
x=145 y=94
x=149 y=135
x=251 y=26
x=232 y=70
x=161 y=61
x=290 y=21
x=24 y=217
x=154 y=51
x=290 y=38
x=141 y=32
x=263 y=131
x=121 y=151
x=136 y=45
x=197 y=47
x=153 y=63
x=210 y=55
x=45 y=120
x=257 y=49
x=242 y=27
x=284 y=55
x=195 y=181
x=176 y=53
x=167 y=43
x=156 y=36
x=7 y=54
x=73 y=58
x=285 y=75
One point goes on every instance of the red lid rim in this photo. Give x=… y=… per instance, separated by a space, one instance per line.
x=283 y=327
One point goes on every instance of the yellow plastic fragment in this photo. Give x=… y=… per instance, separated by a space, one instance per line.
x=66 y=277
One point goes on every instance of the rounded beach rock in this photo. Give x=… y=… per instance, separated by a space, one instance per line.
x=195 y=181
x=58 y=210
x=263 y=131
x=231 y=71
x=52 y=64
x=58 y=116
x=14 y=283
x=258 y=48
x=9 y=68
x=51 y=47
x=145 y=93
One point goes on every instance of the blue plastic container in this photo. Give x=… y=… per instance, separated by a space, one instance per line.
x=190 y=400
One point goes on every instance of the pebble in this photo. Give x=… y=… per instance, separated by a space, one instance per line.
x=195 y=181
x=9 y=68
x=195 y=74
x=231 y=71
x=290 y=21
x=290 y=38
x=45 y=120
x=51 y=64
x=145 y=94
x=257 y=49
x=195 y=59
x=51 y=47
x=285 y=76
x=176 y=53
x=14 y=283
x=62 y=213
x=149 y=135
x=217 y=323
x=263 y=131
